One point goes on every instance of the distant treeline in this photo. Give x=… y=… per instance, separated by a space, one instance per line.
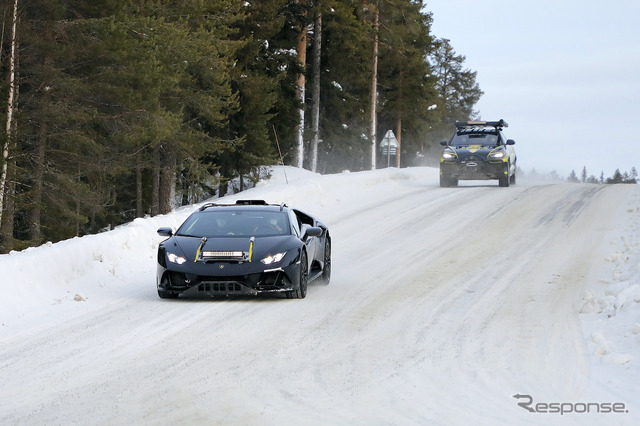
x=630 y=177
x=618 y=177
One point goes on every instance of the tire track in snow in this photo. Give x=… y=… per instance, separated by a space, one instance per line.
x=467 y=290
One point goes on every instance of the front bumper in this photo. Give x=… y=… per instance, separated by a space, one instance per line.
x=474 y=169
x=274 y=280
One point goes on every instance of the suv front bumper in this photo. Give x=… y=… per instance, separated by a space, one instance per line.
x=474 y=170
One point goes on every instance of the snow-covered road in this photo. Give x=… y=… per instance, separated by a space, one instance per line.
x=443 y=305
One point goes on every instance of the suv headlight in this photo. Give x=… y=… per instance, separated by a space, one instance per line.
x=497 y=154
x=449 y=154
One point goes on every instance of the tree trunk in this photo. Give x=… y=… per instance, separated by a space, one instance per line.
x=6 y=229
x=10 y=108
x=78 y=203
x=399 y=138
x=374 y=91
x=315 y=107
x=38 y=181
x=300 y=89
x=155 y=185
x=167 y=182
x=139 y=211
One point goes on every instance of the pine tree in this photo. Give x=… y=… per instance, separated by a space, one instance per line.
x=457 y=86
x=55 y=152
x=458 y=93
x=345 y=86
x=616 y=178
x=406 y=87
x=263 y=77
x=573 y=178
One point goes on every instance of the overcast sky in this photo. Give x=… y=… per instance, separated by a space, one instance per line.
x=565 y=75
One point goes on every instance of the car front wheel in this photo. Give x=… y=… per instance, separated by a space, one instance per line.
x=301 y=292
x=504 y=181
x=326 y=270
x=448 y=181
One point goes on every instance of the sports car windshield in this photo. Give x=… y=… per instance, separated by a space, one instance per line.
x=466 y=139
x=235 y=223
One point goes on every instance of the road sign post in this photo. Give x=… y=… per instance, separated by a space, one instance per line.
x=389 y=146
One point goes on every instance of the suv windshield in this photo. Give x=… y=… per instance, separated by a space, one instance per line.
x=484 y=139
x=230 y=223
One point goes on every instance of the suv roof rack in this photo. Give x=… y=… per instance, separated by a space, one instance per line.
x=474 y=123
x=251 y=203
x=242 y=203
x=207 y=205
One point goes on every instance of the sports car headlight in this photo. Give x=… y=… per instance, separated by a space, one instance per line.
x=497 y=154
x=174 y=258
x=273 y=258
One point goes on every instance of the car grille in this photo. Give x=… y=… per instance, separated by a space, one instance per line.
x=469 y=158
x=225 y=287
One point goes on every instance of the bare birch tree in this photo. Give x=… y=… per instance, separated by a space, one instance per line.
x=10 y=106
x=302 y=59
x=374 y=89
x=315 y=106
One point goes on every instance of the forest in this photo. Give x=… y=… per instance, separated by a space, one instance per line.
x=117 y=109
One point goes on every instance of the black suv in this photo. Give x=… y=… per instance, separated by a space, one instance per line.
x=478 y=151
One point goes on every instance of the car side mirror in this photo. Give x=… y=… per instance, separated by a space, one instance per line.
x=312 y=231
x=443 y=143
x=511 y=142
x=165 y=232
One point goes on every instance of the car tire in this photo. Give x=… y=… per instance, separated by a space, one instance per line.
x=167 y=294
x=447 y=181
x=301 y=292
x=326 y=270
x=512 y=179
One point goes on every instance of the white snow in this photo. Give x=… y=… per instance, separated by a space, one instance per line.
x=444 y=305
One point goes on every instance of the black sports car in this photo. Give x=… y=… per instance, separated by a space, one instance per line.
x=246 y=248
x=478 y=150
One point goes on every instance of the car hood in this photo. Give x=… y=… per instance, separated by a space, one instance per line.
x=262 y=246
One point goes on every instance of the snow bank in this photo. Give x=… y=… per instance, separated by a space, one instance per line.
x=57 y=281
x=610 y=312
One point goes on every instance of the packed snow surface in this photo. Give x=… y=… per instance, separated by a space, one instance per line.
x=470 y=305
